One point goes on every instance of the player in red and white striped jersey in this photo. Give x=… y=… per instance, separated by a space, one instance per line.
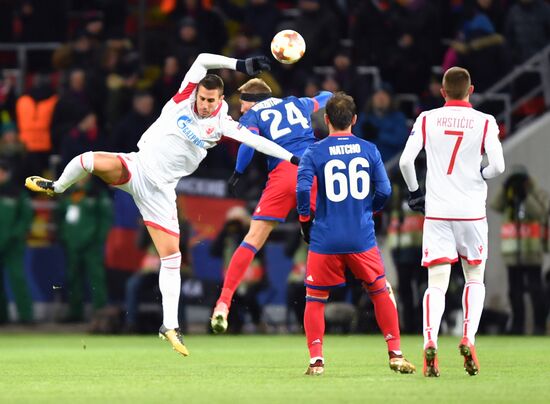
x=455 y=138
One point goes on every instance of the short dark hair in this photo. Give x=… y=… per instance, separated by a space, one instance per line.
x=340 y=110
x=212 y=82
x=456 y=82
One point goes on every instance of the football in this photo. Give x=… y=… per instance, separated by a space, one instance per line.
x=288 y=46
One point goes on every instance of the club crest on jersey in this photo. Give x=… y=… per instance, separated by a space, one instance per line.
x=209 y=130
x=185 y=125
x=412 y=133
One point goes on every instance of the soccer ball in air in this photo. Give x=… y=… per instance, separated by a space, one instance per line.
x=288 y=46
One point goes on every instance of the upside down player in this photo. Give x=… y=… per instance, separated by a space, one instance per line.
x=342 y=233
x=190 y=123
x=286 y=121
x=455 y=138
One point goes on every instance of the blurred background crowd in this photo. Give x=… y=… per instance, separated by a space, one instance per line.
x=93 y=75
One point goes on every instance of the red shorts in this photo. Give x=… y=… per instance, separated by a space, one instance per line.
x=326 y=271
x=279 y=195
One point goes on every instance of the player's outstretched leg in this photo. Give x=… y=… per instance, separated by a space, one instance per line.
x=468 y=351
x=175 y=338
x=78 y=168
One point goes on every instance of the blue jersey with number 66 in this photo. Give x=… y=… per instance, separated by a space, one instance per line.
x=286 y=121
x=351 y=184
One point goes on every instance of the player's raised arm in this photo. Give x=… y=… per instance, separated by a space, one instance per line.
x=238 y=132
x=317 y=102
x=493 y=148
x=206 y=61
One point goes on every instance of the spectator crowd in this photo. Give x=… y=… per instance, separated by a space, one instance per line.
x=117 y=64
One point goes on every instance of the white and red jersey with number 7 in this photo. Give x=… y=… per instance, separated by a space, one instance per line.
x=455 y=138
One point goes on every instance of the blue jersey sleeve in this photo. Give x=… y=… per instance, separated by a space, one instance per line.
x=382 y=185
x=306 y=174
x=317 y=102
x=246 y=153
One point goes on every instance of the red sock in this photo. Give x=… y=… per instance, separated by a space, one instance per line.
x=387 y=319
x=240 y=261
x=314 y=325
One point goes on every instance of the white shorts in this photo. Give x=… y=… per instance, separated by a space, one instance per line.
x=156 y=205
x=443 y=241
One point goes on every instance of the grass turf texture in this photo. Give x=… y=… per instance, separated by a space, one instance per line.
x=262 y=369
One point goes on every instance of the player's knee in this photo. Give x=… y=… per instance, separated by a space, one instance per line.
x=258 y=233
x=438 y=277
x=474 y=273
x=376 y=288
x=315 y=295
x=87 y=161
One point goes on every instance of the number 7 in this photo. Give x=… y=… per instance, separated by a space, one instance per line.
x=460 y=134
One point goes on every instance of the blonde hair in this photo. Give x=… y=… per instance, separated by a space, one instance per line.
x=255 y=86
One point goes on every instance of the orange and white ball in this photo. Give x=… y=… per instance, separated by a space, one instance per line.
x=288 y=46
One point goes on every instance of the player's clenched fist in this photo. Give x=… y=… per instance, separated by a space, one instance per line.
x=253 y=65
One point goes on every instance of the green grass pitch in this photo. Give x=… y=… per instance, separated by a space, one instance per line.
x=262 y=369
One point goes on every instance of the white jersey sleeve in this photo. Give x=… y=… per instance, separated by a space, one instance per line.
x=202 y=63
x=414 y=145
x=493 y=148
x=236 y=131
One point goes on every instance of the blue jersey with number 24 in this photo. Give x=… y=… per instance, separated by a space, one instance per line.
x=351 y=184
x=286 y=121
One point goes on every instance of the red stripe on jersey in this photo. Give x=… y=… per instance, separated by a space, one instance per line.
x=185 y=94
x=457 y=103
x=159 y=227
x=254 y=130
x=217 y=110
x=484 y=134
x=424 y=131
x=454 y=220
x=315 y=105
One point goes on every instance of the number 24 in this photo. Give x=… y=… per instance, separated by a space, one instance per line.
x=293 y=116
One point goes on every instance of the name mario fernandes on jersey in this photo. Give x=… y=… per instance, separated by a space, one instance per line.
x=183 y=123
x=344 y=149
x=458 y=123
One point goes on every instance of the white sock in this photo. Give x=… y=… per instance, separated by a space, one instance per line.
x=78 y=168
x=170 y=286
x=433 y=306
x=473 y=298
